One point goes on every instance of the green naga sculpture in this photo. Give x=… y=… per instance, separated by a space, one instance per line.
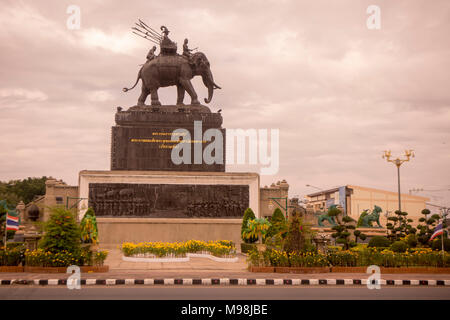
x=326 y=217
x=366 y=219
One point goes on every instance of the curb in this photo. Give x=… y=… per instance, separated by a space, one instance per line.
x=227 y=281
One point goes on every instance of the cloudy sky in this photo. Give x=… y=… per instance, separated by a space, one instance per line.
x=338 y=92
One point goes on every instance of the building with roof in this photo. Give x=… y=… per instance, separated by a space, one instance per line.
x=355 y=199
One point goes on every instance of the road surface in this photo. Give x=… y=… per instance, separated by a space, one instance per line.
x=227 y=293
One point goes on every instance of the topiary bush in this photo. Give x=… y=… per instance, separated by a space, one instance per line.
x=379 y=242
x=427 y=228
x=61 y=232
x=399 y=246
x=343 y=227
x=359 y=235
x=248 y=215
x=437 y=244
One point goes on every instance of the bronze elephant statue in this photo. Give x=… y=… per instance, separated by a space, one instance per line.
x=174 y=70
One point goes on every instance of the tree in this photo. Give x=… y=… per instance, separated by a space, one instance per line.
x=61 y=232
x=298 y=235
x=342 y=234
x=248 y=215
x=400 y=226
x=24 y=190
x=360 y=235
x=427 y=228
x=278 y=223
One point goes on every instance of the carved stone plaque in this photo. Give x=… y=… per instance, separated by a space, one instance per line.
x=168 y=200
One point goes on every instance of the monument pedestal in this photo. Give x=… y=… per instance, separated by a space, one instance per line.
x=141 y=138
x=168 y=206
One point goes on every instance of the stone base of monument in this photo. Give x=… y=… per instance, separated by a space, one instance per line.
x=142 y=137
x=166 y=206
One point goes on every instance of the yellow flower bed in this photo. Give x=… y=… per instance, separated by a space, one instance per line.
x=64 y=258
x=220 y=248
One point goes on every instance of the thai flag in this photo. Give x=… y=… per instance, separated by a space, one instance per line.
x=12 y=223
x=437 y=231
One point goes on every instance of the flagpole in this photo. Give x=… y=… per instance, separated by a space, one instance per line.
x=442 y=243
x=4 y=239
x=442 y=237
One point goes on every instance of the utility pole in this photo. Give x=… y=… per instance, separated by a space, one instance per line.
x=398 y=162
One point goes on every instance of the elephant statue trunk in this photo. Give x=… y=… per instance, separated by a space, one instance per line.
x=208 y=81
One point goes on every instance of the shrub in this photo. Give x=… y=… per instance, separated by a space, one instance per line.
x=257 y=259
x=99 y=257
x=345 y=258
x=399 y=246
x=411 y=240
x=379 y=241
x=248 y=215
x=307 y=259
x=247 y=247
x=63 y=258
x=13 y=245
x=295 y=239
x=334 y=248
x=12 y=256
x=257 y=228
x=275 y=242
x=61 y=232
x=356 y=257
x=278 y=222
x=437 y=244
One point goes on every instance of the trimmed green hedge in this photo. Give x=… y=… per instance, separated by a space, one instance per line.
x=399 y=246
x=379 y=241
x=351 y=258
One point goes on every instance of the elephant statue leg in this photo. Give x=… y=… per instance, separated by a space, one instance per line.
x=190 y=89
x=155 y=98
x=145 y=92
x=180 y=94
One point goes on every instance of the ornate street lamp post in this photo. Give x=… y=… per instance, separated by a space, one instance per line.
x=398 y=162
